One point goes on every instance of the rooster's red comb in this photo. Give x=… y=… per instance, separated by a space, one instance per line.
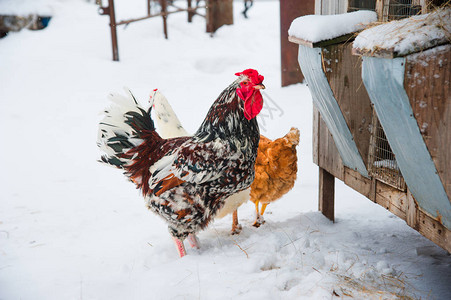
x=253 y=75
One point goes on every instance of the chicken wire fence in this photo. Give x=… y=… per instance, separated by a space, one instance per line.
x=399 y=9
x=382 y=163
x=355 y=5
x=389 y=10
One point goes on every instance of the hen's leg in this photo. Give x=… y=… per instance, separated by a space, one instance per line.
x=259 y=218
x=262 y=211
x=236 y=228
x=193 y=241
x=180 y=247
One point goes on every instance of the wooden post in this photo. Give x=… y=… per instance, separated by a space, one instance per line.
x=164 y=14
x=190 y=13
x=219 y=12
x=290 y=10
x=148 y=7
x=326 y=194
x=113 y=29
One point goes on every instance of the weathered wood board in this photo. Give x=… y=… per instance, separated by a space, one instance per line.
x=427 y=84
x=324 y=149
x=330 y=7
x=403 y=205
x=343 y=71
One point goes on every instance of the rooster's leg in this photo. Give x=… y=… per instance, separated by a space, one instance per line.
x=193 y=241
x=180 y=247
x=236 y=228
x=259 y=219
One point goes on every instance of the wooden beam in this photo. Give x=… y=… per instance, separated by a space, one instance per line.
x=402 y=204
x=326 y=194
x=338 y=40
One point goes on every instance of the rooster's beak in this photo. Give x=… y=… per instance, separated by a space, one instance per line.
x=259 y=87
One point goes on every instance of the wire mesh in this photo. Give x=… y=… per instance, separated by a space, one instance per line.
x=390 y=9
x=382 y=163
x=400 y=9
x=355 y=5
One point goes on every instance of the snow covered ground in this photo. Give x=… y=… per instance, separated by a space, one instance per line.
x=71 y=228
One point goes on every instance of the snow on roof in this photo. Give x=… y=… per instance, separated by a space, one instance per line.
x=406 y=36
x=317 y=28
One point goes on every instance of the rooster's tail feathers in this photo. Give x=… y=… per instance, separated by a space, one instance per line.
x=168 y=123
x=122 y=129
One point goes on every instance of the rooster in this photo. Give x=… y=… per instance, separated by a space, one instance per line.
x=186 y=180
x=275 y=167
x=169 y=126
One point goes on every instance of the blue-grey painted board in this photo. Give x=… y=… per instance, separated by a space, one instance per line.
x=383 y=79
x=325 y=102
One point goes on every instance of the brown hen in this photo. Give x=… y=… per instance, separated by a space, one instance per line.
x=275 y=171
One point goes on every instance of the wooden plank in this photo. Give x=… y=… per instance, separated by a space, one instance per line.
x=391 y=199
x=342 y=6
x=299 y=41
x=358 y=182
x=434 y=230
x=338 y=40
x=403 y=205
x=343 y=71
x=327 y=7
x=326 y=194
x=379 y=9
x=331 y=7
x=427 y=84
x=381 y=53
x=315 y=136
x=318 y=7
x=429 y=227
x=290 y=10
x=328 y=156
x=391 y=53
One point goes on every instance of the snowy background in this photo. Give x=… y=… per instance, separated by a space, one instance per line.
x=71 y=228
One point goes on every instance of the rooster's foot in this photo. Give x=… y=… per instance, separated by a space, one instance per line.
x=193 y=241
x=236 y=229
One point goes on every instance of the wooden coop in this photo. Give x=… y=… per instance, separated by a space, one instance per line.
x=382 y=120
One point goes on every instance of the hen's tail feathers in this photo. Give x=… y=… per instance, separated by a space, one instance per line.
x=292 y=136
x=122 y=129
x=168 y=123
